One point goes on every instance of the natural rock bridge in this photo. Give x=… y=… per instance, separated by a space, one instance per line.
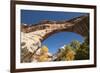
x=32 y=36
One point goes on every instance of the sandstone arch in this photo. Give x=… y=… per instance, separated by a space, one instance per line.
x=43 y=30
x=80 y=25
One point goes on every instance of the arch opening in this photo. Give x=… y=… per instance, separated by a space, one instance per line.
x=59 y=39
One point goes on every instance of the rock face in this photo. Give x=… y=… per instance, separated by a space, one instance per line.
x=29 y=44
x=32 y=36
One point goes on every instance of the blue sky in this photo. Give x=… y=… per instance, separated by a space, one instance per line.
x=57 y=40
x=32 y=17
